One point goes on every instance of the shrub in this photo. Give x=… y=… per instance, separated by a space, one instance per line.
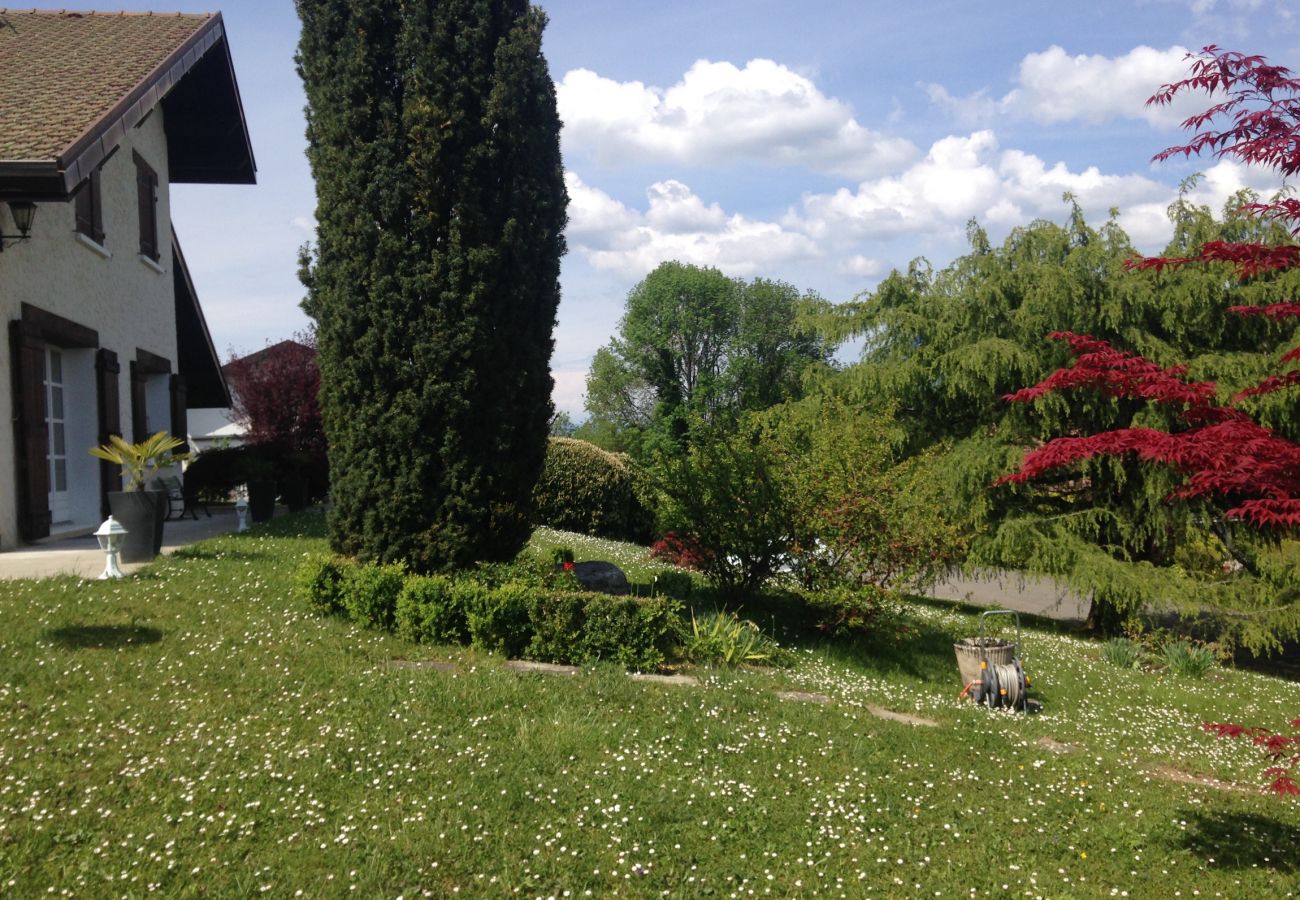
x=678 y=550
x=581 y=628
x=725 y=639
x=432 y=610
x=1187 y=659
x=674 y=584
x=370 y=592
x=1124 y=653
x=320 y=579
x=726 y=493
x=635 y=633
x=498 y=619
x=586 y=489
x=850 y=611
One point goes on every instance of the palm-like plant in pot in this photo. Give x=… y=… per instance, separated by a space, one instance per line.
x=140 y=511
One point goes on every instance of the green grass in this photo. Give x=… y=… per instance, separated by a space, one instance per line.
x=196 y=730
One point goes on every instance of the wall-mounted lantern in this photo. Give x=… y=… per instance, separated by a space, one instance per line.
x=24 y=213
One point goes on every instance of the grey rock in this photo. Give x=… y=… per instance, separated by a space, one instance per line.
x=604 y=577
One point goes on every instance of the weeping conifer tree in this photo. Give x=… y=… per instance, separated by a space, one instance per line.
x=434 y=141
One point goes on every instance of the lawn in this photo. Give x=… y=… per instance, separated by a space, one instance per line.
x=196 y=730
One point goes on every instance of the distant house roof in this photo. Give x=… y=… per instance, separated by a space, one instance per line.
x=270 y=352
x=73 y=83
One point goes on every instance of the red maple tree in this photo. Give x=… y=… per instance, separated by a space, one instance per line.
x=1219 y=449
x=274 y=392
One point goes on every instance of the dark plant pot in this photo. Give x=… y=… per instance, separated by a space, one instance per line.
x=261 y=500
x=293 y=491
x=142 y=514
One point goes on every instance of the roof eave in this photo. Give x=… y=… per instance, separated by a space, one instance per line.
x=57 y=179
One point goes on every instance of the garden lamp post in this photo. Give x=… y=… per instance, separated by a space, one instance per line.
x=110 y=536
x=241 y=510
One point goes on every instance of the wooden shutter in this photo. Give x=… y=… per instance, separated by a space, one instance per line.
x=90 y=209
x=180 y=420
x=31 y=433
x=107 y=369
x=139 y=423
x=146 y=182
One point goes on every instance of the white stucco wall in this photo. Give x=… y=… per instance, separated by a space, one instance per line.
x=130 y=302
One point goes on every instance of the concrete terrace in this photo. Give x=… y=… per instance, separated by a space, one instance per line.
x=80 y=555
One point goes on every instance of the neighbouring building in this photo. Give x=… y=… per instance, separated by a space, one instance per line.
x=102 y=114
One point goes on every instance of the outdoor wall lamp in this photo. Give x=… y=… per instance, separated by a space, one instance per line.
x=110 y=536
x=23 y=212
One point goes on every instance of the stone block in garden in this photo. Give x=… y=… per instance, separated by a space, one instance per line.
x=604 y=577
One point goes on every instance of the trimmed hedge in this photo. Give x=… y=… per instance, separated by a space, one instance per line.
x=539 y=618
x=589 y=490
x=584 y=628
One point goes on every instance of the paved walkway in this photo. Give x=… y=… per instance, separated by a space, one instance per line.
x=1012 y=590
x=81 y=555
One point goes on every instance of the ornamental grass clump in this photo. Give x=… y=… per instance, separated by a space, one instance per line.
x=724 y=639
x=1124 y=653
x=1188 y=660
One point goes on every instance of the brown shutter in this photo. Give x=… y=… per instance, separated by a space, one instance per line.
x=146 y=183
x=90 y=208
x=85 y=207
x=180 y=420
x=107 y=369
x=31 y=434
x=139 y=425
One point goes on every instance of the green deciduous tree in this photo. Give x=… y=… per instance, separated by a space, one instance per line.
x=434 y=141
x=695 y=344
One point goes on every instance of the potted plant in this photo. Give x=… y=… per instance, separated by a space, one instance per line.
x=140 y=511
x=259 y=477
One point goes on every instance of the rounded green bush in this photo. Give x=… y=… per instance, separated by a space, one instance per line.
x=586 y=489
x=370 y=592
x=430 y=610
x=319 y=579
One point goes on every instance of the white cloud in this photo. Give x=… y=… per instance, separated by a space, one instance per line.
x=719 y=113
x=1148 y=223
x=1054 y=86
x=959 y=179
x=678 y=225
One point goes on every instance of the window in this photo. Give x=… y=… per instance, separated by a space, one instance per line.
x=146 y=182
x=90 y=209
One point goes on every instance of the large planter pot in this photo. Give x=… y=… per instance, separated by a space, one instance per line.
x=293 y=491
x=142 y=514
x=261 y=500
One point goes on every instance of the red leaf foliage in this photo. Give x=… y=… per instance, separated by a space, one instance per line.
x=275 y=396
x=1261 y=105
x=1218 y=448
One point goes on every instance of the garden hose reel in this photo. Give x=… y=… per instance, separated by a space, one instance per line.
x=991 y=668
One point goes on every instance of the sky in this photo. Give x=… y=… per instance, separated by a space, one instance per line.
x=819 y=143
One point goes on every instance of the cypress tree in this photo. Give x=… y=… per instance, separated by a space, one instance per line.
x=434 y=141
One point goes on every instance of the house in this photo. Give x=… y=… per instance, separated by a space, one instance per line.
x=102 y=114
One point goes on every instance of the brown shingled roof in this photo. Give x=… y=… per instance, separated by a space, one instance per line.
x=64 y=71
x=73 y=83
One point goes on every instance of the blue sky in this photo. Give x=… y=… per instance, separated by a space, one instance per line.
x=821 y=143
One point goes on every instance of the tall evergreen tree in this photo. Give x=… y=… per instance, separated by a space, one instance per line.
x=434 y=140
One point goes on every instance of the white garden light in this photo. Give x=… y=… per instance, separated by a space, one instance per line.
x=110 y=536
x=241 y=510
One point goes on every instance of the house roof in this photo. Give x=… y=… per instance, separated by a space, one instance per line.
x=269 y=352
x=73 y=83
x=198 y=364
